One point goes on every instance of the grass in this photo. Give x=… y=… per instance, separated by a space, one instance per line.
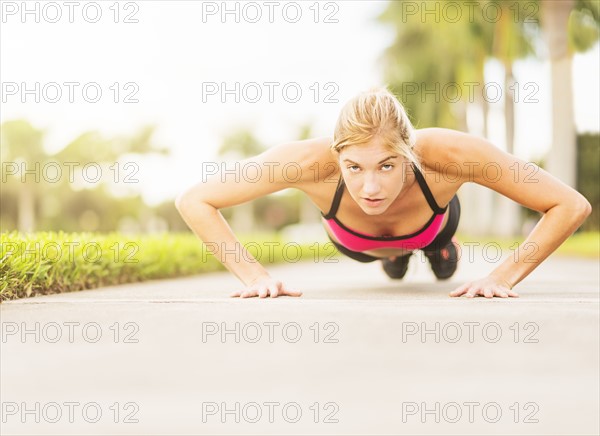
x=583 y=244
x=54 y=262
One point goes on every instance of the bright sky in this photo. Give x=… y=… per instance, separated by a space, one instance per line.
x=175 y=49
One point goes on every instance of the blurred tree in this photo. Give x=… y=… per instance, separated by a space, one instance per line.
x=454 y=52
x=168 y=212
x=22 y=145
x=569 y=26
x=309 y=213
x=428 y=58
x=438 y=56
x=95 y=210
x=274 y=212
x=511 y=41
x=41 y=182
x=588 y=175
x=427 y=53
x=238 y=145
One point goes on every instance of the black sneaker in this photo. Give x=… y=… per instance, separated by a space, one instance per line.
x=396 y=269
x=444 y=262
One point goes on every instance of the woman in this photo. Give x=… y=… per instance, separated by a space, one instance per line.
x=384 y=190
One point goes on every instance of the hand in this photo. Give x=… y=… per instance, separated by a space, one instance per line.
x=264 y=287
x=488 y=287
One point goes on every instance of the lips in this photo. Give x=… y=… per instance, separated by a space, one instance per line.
x=373 y=202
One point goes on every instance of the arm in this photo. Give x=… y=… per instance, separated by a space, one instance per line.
x=199 y=206
x=563 y=208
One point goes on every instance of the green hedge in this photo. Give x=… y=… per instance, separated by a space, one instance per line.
x=53 y=262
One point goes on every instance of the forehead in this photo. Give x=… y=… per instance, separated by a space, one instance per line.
x=366 y=153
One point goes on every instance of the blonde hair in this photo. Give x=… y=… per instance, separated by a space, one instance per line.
x=376 y=113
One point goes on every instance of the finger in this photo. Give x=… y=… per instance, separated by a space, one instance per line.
x=488 y=293
x=291 y=293
x=502 y=294
x=472 y=292
x=275 y=292
x=235 y=294
x=272 y=290
x=249 y=293
x=460 y=290
x=512 y=293
x=263 y=291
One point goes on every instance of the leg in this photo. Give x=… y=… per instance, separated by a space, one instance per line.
x=442 y=253
x=396 y=269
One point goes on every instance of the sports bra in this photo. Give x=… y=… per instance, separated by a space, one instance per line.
x=356 y=241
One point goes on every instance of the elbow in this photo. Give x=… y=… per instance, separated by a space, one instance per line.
x=180 y=201
x=587 y=209
x=582 y=209
x=186 y=202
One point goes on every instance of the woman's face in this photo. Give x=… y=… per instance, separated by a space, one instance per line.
x=373 y=174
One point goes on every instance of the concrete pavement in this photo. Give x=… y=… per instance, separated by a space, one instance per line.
x=357 y=354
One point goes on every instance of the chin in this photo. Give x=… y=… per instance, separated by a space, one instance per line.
x=372 y=211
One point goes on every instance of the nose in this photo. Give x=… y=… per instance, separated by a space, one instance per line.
x=370 y=185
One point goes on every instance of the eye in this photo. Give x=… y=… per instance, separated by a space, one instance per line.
x=388 y=165
x=352 y=166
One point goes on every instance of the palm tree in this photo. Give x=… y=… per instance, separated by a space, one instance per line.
x=510 y=43
x=423 y=56
x=23 y=146
x=568 y=26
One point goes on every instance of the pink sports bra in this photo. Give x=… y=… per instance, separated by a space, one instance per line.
x=356 y=241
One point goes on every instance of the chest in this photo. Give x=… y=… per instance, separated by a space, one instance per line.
x=409 y=212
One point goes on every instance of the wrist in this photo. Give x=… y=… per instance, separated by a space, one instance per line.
x=502 y=281
x=253 y=280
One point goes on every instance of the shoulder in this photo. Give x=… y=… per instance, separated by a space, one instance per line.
x=439 y=146
x=455 y=154
x=465 y=156
x=314 y=157
x=308 y=151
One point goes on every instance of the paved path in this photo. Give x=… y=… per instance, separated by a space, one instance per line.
x=357 y=354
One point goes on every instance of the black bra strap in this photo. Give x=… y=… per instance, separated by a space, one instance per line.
x=336 y=199
x=427 y=192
